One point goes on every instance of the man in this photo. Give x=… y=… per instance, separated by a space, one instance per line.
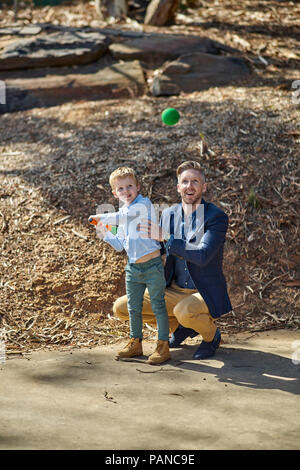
x=194 y=233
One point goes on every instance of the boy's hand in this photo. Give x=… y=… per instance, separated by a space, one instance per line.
x=150 y=229
x=101 y=230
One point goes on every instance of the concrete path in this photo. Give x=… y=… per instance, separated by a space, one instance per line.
x=247 y=397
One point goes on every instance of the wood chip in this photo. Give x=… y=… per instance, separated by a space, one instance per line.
x=63 y=219
x=79 y=235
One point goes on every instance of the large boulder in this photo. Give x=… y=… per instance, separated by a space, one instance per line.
x=154 y=50
x=124 y=80
x=59 y=49
x=198 y=71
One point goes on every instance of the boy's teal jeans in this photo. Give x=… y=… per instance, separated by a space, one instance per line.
x=140 y=276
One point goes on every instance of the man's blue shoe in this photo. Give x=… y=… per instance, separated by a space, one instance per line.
x=208 y=349
x=180 y=334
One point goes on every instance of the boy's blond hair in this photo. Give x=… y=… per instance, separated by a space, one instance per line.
x=121 y=172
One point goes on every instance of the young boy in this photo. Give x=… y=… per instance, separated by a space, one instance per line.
x=144 y=268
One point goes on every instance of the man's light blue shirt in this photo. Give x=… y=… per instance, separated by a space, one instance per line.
x=128 y=237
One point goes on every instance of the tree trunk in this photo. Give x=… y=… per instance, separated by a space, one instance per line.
x=114 y=8
x=161 y=12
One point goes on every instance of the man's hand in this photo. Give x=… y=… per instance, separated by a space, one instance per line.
x=150 y=229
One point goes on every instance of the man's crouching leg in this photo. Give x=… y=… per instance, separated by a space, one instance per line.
x=120 y=308
x=192 y=312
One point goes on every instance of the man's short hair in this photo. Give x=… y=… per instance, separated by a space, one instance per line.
x=190 y=165
x=121 y=172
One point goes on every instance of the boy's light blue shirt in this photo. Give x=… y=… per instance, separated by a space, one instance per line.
x=127 y=237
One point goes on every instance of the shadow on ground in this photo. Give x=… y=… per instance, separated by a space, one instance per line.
x=247 y=368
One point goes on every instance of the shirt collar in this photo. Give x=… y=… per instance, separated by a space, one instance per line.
x=135 y=201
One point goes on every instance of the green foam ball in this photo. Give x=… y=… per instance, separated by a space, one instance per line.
x=170 y=116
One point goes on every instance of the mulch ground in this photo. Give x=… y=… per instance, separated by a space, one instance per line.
x=58 y=281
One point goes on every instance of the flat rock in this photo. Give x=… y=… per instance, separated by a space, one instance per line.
x=120 y=80
x=28 y=30
x=58 y=49
x=9 y=30
x=198 y=71
x=157 y=49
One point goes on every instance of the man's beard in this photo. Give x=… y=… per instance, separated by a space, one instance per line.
x=192 y=201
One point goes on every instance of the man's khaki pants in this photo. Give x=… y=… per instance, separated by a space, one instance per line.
x=184 y=306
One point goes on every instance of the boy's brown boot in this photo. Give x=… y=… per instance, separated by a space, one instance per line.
x=133 y=348
x=161 y=353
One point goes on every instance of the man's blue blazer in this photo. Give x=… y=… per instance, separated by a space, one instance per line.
x=205 y=262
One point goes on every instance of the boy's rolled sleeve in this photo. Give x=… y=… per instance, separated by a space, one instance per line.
x=116 y=241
